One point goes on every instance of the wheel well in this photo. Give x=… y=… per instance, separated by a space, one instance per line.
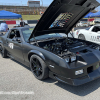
x=80 y=34
x=29 y=56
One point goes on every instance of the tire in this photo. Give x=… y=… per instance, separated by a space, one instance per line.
x=82 y=37
x=3 y=51
x=38 y=67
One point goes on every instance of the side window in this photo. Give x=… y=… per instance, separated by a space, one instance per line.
x=17 y=33
x=96 y=29
x=14 y=34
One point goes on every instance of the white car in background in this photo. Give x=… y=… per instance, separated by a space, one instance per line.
x=82 y=24
x=89 y=34
x=79 y=24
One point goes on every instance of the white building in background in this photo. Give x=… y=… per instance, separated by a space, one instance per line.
x=33 y=3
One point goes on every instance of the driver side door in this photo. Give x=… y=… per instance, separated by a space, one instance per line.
x=15 y=47
x=94 y=34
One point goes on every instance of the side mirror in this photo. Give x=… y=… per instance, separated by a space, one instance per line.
x=14 y=39
x=17 y=39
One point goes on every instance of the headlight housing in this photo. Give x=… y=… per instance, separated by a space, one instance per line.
x=70 y=59
x=73 y=58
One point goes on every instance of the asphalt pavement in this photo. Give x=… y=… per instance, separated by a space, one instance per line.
x=18 y=78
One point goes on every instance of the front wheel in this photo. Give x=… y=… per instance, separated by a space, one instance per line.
x=3 y=52
x=38 y=67
x=81 y=36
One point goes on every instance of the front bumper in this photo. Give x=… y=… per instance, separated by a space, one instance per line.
x=79 y=81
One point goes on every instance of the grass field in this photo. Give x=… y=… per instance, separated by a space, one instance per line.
x=31 y=17
x=27 y=17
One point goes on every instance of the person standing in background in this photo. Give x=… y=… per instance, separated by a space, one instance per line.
x=3 y=27
x=22 y=23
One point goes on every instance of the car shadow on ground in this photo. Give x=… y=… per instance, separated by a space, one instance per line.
x=81 y=90
x=22 y=64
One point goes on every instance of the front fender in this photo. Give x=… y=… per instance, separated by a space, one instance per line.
x=37 y=53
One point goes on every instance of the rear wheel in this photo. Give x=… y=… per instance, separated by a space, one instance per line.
x=81 y=36
x=38 y=67
x=3 y=52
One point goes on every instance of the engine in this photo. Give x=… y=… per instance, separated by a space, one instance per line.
x=62 y=47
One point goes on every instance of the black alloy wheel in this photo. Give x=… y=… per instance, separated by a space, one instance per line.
x=38 y=67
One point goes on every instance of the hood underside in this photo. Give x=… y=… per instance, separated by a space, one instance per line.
x=62 y=15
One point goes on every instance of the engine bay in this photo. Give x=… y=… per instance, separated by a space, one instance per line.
x=70 y=49
x=63 y=46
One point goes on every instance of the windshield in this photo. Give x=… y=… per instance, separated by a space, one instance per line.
x=88 y=28
x=28 y=31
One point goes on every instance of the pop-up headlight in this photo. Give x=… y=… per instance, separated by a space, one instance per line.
x=67 y=59
x=70 y=59
x=73 y=58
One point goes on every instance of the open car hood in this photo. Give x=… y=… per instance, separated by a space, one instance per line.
x=62 y=15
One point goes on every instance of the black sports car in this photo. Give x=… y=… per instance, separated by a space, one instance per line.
x=51 y=53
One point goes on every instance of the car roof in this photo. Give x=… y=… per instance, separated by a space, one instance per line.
x=20 y=28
